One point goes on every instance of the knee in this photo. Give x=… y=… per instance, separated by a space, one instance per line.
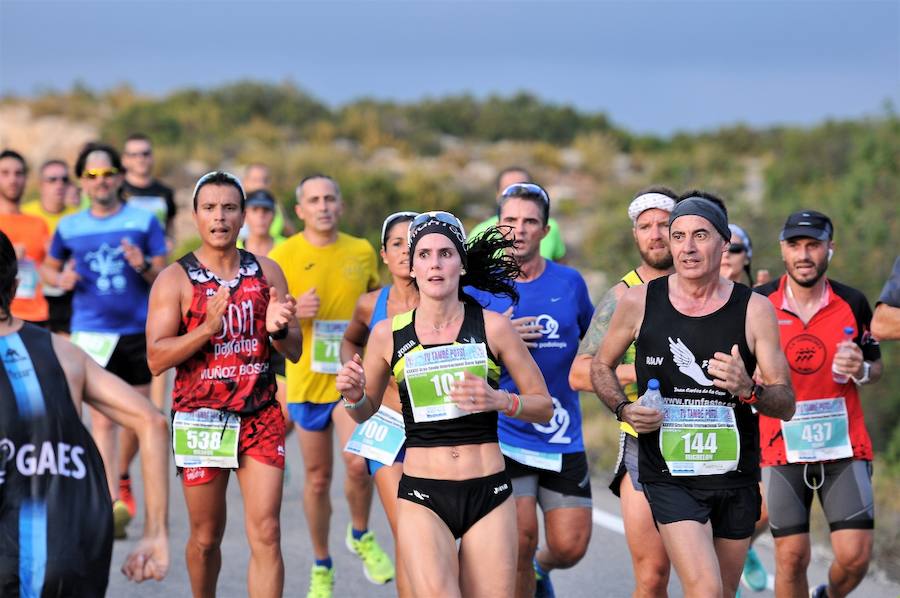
x=356 y=469
x=265 y=532
x=318 y=480
x=856 y=562
x=101 y=424
x=652 y=576
x=206 y=539
x=792 y=562
x=567 y=553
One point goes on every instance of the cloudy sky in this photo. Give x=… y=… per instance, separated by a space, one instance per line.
x=652 y=66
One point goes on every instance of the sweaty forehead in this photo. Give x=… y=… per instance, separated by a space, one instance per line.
x=212 y=192
x=516 y=207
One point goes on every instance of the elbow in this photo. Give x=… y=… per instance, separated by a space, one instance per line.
x=294 y=355
x=788 y=414
x=154 y=366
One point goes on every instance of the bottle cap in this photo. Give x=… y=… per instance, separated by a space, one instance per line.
x=848 y=329
x=653 y=384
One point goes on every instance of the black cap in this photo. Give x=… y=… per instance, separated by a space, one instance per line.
x=808 y=223
x=261 y=198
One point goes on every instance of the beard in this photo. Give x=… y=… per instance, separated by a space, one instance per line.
x=655 y=260
x=810 y=282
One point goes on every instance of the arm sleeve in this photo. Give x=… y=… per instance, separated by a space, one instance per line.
x=890 y=294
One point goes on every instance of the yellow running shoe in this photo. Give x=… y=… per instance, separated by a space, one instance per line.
x=321 y=582
x=121 y=519
x=377 y=565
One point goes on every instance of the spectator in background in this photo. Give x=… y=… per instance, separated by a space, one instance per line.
x=139 y=188
x=29 y=236
x=117 y=250
x=51 y=207
x=552 y=247
x=257 y=176
x=886 y=322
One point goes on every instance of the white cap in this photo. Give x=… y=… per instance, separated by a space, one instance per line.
x=648 y=201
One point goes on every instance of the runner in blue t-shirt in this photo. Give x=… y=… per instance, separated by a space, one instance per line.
x=546 y=462
x=109 y=255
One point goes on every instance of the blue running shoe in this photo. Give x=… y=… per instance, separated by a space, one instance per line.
x=754 y=575
x=543 y=587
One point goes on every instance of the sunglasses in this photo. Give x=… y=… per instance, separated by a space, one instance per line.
x=737 y=248
x=95 y=173
x=526 y=190
x=442 y=217
x=57 y=179
x=144 y=154
x=391 y=220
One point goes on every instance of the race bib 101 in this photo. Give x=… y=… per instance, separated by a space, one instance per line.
x=432 y=373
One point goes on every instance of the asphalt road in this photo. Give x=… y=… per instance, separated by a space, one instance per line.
x=605 y=570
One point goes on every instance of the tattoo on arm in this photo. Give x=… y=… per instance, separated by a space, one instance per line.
x=777 y=401
x=606 y=384
x=599 y=324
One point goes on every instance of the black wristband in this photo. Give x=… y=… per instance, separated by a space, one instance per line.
x=280 y=335
x=619 y=408
x=143 y=267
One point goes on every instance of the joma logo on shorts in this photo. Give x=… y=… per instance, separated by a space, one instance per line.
x=501 y=488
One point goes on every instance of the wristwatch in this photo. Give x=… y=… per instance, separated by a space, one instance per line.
x=867 y=368
x=143 y=267
x=756 y=394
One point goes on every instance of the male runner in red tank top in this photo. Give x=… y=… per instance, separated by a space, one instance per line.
x=214 y=316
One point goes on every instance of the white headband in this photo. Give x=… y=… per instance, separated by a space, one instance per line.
x=648 y=201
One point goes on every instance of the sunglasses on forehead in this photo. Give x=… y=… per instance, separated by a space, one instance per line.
x=526 y=190
x=391 y=220
x=442 y=217
x=737 y=248
x=96 y=173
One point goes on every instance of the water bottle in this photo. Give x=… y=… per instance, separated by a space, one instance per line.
x=651 y=398
x=836 y=375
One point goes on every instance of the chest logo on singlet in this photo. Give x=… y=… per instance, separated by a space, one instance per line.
x=687 y=363
x=805 y=353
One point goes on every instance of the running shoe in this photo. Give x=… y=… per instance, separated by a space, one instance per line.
x=543 y=587
x=127 y=497
x=754 y=575
x=121 y=519
x=819 y=592
x=377 y=565
x=321 y=582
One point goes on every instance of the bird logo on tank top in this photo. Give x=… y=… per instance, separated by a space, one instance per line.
x=687 y=363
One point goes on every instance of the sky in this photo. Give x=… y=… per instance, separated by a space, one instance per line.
x=652 y=67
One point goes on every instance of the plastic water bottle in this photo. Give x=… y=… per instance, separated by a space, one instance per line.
x=651 y=398
x=836 y=375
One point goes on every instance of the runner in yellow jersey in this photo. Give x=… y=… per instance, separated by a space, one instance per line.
x=327 y=271
x=649 y=211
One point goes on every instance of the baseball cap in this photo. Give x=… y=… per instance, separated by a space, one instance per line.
x=807 y=223
x=261 y=198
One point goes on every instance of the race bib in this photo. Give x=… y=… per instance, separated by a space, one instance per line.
x=699 y=439
x=28 y=279
x=99 y=345
x=379 y=438
x=819 y=431
x=548 y=461
x=206 y=438
x=326 y=343
x=431 y=374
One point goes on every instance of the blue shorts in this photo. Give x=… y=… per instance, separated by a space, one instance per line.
x=373 y=465
x=312 y=417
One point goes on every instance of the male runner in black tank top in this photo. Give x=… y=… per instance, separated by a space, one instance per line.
x=55 y=509
x=699 y=335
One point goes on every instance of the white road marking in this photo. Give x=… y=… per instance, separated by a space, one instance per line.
x=608 y=520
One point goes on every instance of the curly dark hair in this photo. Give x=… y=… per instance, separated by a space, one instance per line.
x=489 y=267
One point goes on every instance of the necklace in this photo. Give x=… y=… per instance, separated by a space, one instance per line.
x=439 y=327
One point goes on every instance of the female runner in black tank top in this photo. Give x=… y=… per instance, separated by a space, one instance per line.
x=454 y=483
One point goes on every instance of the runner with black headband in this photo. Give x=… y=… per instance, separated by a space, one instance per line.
x=215 y=316
x=701 y=337
x=649 y=213
x=446 y=356
x=381 y=439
